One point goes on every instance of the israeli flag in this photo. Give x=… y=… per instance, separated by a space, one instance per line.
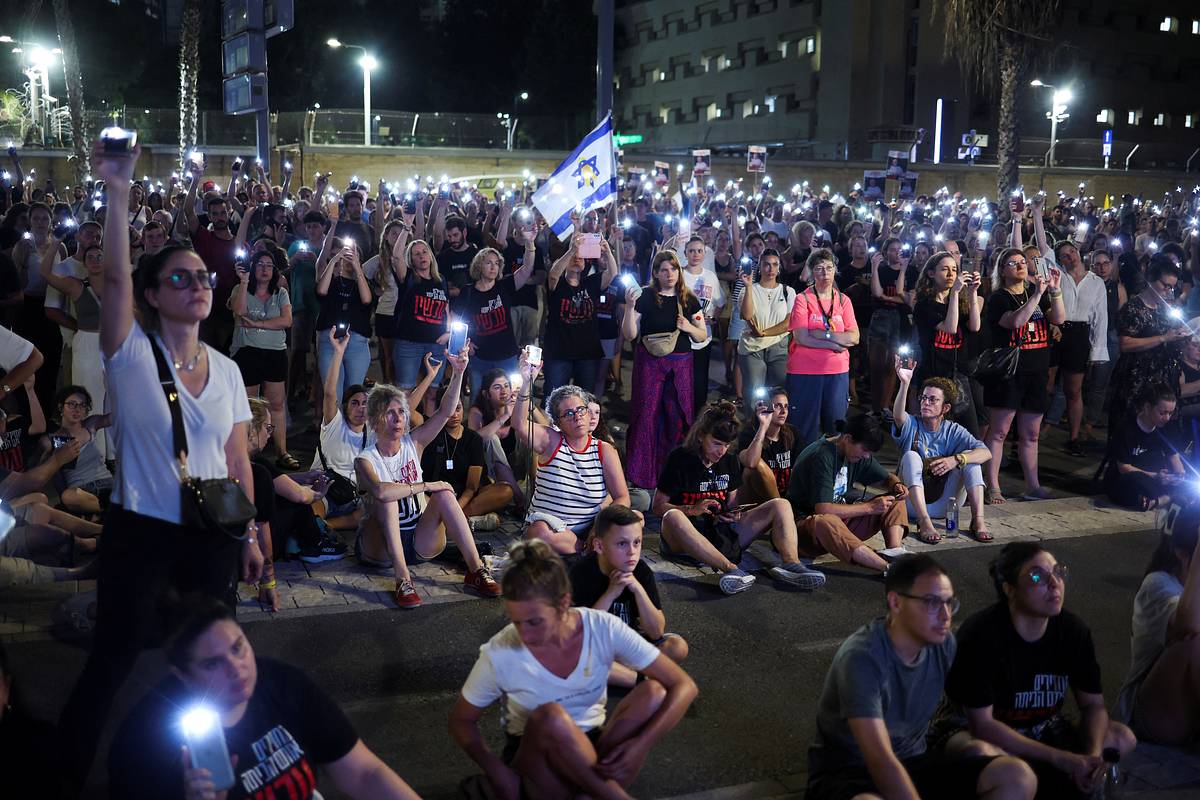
x=586 y=179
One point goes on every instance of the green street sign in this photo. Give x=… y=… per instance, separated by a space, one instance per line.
x=622 y=139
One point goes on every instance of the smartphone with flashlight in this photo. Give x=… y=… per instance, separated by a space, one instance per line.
x=590 y=246
x=341 y=330
x=630 y=282
x=906 y=357
x=1017 y=203
x=205 y=740
x=117 y=141
x=458 y=337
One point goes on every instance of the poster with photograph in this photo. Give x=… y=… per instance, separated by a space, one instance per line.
x=872 y=183
x=662 y=173
x=897 y=163
x=908 y=186
x=701 y=163
x=756 y=159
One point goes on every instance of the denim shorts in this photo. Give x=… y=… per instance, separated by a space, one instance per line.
x=885 y=327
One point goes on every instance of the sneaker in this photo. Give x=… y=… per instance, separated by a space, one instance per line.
x=481 y=583
x=735 y=580
x=406 y=595
x=287 y=461
x=487 y=522
x=1074 y=448
x=892 y=553
x=326 y=550
x=798 y=575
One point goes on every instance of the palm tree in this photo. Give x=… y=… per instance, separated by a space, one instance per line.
x=189 y=76
x=995 y=43
x=70 y=56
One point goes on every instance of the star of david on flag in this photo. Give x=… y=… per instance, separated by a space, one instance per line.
x=586 y=179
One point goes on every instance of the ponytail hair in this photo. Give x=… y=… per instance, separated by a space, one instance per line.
x=534 y=572
x=718 y=420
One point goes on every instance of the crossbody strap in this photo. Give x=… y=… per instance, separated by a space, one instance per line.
x=178 y=434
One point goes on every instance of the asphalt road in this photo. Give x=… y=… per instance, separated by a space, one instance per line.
x=759 y=658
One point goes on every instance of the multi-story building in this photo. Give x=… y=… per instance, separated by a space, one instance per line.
x=852 y=79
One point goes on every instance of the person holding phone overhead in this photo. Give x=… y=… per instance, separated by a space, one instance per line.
x=571 y=344
x=346 y=301
x=890 y=299
x=149 y=551
x=947 y=313
x=422 y=312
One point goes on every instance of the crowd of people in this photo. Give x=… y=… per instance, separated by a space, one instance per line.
x=167 y=348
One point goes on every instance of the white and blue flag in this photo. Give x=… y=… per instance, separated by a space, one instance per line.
x=586 y=179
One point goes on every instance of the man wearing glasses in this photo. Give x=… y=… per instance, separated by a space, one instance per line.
x=1016 y=661
x=880 y=694
x=937 y=457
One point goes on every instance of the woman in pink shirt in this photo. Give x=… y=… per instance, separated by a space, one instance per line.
x=823 y=331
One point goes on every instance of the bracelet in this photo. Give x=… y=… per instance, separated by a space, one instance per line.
x=271 y=584
x=1056 y=293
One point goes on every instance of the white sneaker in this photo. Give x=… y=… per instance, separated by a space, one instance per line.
x=487 y=522
x=735 y=581
x=892 y=553
x=798 y=575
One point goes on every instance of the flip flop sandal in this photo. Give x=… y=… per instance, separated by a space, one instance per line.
x=929 y=538
x=981 y=536
x=993 y=497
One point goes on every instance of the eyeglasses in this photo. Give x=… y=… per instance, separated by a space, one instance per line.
x=779 y=406
x=182 y=279
x=269 y=428
x=1038 y=576
x=930 y=398
x=77 y=404
x=934 y=604
x=824 y=268
x=1015 y=263
x=574 y=413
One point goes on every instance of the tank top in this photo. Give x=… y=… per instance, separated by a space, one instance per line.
x=570 y=484
x=87 y=309
x=404 y=467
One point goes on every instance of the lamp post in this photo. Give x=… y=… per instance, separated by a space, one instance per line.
x=512 y=118
x=1057 y=113
x=37 y=68
x=368 y=63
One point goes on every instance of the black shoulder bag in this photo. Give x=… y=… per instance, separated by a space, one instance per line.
x=341 y=490
x=213 y=504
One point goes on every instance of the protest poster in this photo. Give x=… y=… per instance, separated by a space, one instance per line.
x=897 y=163
x=756 y=159
x=872 y=183
x=701 y=162
x=908 y=186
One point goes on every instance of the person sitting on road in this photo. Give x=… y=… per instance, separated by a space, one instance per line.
x=85 y=484
x=580 y=474
x=1161 y=696
x=938 y=458
x=835 y=515
x=557 y=741
x=344 y=435
x=1016 y=662
x=880 y=694
x=279 y=726
x=456 y=456
x=1143 y=468
x=401 y=527
x=697 y=498
x=491 y=417
x=768 y=448
x=613 y=577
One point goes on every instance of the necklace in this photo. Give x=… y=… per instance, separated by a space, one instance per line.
x=191 y=364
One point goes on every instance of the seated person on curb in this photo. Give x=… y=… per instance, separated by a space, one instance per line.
x=400 y=526
x=456 y=457
x=577 y=474
x=84 y=485
x=937 y=457
x=558 y=744
x=1016 y=661
x=834 y=515
x=880 y=694
x=344 y=436
x=768 y=448
x=491 y=417
x=697 y=498
x=614 y=578
x=1142 y=467
x=279 y=726
x=1161 y=696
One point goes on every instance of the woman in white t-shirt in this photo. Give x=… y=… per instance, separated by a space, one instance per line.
x=380 y=271
x=550 y=666
x=767 y=308
x=401 y=526
x=1160 y=700
x=146 y=551
x=344 y=434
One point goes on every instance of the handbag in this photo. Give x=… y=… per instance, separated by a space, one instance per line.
x=212 y=504
x=999 y=363
x=341 y=489
x=660 y=344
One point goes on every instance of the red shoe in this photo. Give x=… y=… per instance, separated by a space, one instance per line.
x=406 y=595
x=481 y=583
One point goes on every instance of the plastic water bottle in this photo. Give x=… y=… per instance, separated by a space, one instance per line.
x=952 y=519
x=1112 y=785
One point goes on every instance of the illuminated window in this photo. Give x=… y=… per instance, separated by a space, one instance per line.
x=1162 y=120
x=1189 y=121
x=1106 y=116
x=711 y=112
x=810 y=45
x=1135 y=117
x=1169 y=25
x=770 y=103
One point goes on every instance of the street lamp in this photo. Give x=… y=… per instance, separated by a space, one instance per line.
x=512 y=118
x=38 y=60
x=368 y=64
x=1057 y=113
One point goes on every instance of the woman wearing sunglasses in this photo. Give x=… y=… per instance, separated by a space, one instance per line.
x=148 y=552
x=1016 y=661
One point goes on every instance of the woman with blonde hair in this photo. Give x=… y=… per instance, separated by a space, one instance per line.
x=380 y=269
x=662 y=366
x=422 y=311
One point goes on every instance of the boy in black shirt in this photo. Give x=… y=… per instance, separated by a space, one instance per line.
x=614 y=578
x=1016 y=661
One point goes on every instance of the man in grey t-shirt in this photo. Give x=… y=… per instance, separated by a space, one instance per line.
x=881 y=691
